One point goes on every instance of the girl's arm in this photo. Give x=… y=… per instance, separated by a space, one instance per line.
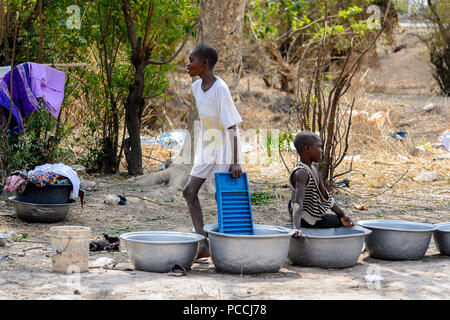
x=235 y=168
x=300 y=178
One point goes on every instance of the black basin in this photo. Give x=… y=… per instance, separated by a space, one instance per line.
x=49 y=194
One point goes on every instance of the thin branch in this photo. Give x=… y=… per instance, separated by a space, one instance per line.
x=153 y=201
x=281 y=156
x=290 y=33
x=156 y=62
x=126 y=8
x=2 y=22
x=344 y=173
x=41 y=33
x=147 y=28
x=11 y=104
x=401 y=177
x=347 y=135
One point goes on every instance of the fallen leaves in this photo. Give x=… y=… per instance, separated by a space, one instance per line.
x=358 y=206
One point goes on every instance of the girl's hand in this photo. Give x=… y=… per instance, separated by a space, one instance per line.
x=236 y=171
x=346 y=221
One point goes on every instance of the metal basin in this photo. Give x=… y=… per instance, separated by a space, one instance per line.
x=397 y=240
x=327 y=248
x=3 y=239
x=264 y=251
x=442 y=238
x=161 y=251
x=44 y=213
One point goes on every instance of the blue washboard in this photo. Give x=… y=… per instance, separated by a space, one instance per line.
x=234 y=207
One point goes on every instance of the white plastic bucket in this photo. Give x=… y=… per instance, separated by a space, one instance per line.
x=70 y=248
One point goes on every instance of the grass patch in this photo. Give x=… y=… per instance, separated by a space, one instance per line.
x=23 y=236
x=258 y=198
x=131 y=188
x=123 y=230
x=156 y=218
x=168 y=200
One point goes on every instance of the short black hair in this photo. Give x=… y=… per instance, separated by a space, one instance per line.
x=208 y=53
x=304 y=138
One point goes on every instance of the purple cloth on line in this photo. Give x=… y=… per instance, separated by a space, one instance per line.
x=22 y=96
x=47 y=83
x=5 y=101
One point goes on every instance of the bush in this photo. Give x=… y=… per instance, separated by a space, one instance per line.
x=39 y=143
x=438 y=16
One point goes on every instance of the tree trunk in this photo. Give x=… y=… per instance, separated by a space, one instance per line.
x=134 y=105
x=227 y=40
x=221 y=26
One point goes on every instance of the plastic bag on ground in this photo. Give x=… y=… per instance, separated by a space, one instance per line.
x=444 y=139
x=426 y=176
x=171 y=140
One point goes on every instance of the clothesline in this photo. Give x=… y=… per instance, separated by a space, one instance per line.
x=5 y=69
x=67 y=65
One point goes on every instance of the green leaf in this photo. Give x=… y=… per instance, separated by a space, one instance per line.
x=22 y=237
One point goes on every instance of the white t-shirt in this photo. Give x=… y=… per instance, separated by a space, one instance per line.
x=217 y=113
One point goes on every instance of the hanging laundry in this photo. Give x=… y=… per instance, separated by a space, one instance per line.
x=47 y=83
x=30 y=82
x=16 y=124
x=22 y=95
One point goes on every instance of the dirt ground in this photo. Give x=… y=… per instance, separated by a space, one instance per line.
x=381 y=183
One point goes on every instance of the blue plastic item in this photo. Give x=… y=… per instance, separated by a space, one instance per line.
x=233 y=204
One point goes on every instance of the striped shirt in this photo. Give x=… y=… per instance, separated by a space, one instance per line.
x=314 y=203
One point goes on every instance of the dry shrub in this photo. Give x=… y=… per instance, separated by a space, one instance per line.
x=369 y=135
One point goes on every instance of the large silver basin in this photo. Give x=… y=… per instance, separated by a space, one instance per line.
x=264 y=251
x=43 y=213
x=397 y=240
x=442 y=238
x=160 y=251
x=327 y=248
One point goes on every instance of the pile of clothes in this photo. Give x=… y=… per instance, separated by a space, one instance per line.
x=47 y=174
x=30 y=82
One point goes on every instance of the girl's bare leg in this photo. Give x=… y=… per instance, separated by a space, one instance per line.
x=190 y=193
